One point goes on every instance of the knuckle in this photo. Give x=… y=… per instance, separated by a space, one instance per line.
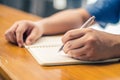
x=69 y=44
x=91 y=40
x=89 y=29
x=70 y=33
x=67 y=36
x=66 y=47
x=9 y=33
x=70 y=52
x=24 y=24
x=31 y=39
x=18 y=31
x=64 y=50
x=91 y=54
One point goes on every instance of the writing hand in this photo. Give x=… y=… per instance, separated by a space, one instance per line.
x=90 y=44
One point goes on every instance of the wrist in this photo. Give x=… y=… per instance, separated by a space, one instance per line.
x=40 y=24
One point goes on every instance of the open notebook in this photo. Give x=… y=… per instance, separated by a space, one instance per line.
x=45 y=52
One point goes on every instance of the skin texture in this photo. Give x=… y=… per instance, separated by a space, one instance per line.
x=90 y=44
x=83 y=44
x=23 y=32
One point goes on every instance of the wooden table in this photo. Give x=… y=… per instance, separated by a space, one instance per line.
x=17 y=64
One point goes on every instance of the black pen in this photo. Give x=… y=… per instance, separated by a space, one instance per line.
x=86 y=24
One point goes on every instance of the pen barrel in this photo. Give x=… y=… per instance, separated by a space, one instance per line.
x=88 y=22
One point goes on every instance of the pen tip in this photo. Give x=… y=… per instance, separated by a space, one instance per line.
x=61 y=48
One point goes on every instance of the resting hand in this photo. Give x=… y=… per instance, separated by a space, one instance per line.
x=90 y=44
x=23 y=32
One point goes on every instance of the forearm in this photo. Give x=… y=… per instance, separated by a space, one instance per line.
x=64 y=21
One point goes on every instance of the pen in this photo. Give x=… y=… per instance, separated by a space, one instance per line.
x=86 y=24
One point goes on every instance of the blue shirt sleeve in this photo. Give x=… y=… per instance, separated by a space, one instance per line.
x=105 y=11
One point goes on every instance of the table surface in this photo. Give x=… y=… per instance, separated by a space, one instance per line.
x=17 y=64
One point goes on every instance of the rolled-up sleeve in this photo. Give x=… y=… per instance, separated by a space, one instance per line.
x=105 y=11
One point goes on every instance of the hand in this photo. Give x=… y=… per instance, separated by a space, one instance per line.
x=90 y=44
x=23 y=32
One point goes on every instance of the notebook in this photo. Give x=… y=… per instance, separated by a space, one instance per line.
x=45 y=52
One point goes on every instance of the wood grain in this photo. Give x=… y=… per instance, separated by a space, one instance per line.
x=17 y=64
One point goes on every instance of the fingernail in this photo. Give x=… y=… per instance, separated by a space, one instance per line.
x=28 y=42
x=20 y=45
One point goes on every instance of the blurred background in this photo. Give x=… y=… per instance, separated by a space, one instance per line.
x=45 y=8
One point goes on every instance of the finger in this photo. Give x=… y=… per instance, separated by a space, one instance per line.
x=76 y=53
x=12 y=38
x=86 y=58
x=10 y=34
x=19 y=34
x=82 y=54
x=83 y=57
x=33 y=36
x=74 y=44
x=73 y=34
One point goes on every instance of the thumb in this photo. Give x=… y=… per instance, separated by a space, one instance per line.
x=33 y=36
